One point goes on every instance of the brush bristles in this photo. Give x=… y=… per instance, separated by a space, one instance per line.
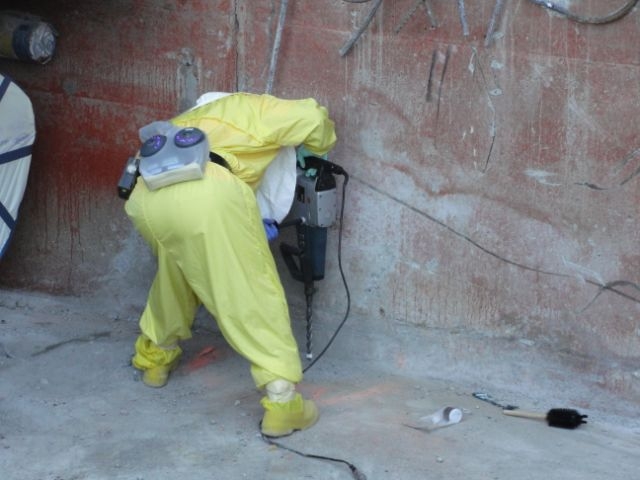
x=565 y=418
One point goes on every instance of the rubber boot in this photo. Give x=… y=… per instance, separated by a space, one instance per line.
x=286 y=411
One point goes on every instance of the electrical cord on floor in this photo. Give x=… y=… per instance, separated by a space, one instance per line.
x=357 y=474
x=344 y=280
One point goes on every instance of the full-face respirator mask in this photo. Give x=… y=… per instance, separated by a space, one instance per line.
x=169 y=155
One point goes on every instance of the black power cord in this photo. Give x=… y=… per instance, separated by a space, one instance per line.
x=338 y=171
x=357 y=474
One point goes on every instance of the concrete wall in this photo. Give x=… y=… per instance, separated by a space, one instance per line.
x=494 y=189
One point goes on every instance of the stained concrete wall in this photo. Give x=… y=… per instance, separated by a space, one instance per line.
x=493 y=189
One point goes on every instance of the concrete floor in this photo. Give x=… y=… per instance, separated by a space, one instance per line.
x=72 y=408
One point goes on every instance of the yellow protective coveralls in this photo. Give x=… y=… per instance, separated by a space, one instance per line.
x=210 y=242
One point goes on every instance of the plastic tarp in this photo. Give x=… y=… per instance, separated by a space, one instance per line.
x=17 y=134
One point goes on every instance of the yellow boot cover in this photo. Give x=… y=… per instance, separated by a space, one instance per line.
x=282 y=419
x=158 y=376
x=156 y=362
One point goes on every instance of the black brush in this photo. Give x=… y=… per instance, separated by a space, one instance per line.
x=556 y=417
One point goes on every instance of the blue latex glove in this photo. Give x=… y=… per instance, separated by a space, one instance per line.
x=271 y=228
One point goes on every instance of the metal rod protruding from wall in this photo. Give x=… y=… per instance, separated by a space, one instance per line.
x=429 y=10
x=276 y=45
x=354 y=38
x=493 y=22
x=463 y=18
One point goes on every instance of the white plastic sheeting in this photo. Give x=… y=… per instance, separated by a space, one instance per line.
x=17 y=134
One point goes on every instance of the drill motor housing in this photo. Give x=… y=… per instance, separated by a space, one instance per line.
x=315 y=206
x=315 y=199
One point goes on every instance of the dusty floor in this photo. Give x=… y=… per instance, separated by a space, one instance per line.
x=72 y=408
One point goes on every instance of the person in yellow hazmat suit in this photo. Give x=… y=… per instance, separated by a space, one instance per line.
x=212 y=249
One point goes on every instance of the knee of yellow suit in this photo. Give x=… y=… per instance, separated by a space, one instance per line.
x=149 y=355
